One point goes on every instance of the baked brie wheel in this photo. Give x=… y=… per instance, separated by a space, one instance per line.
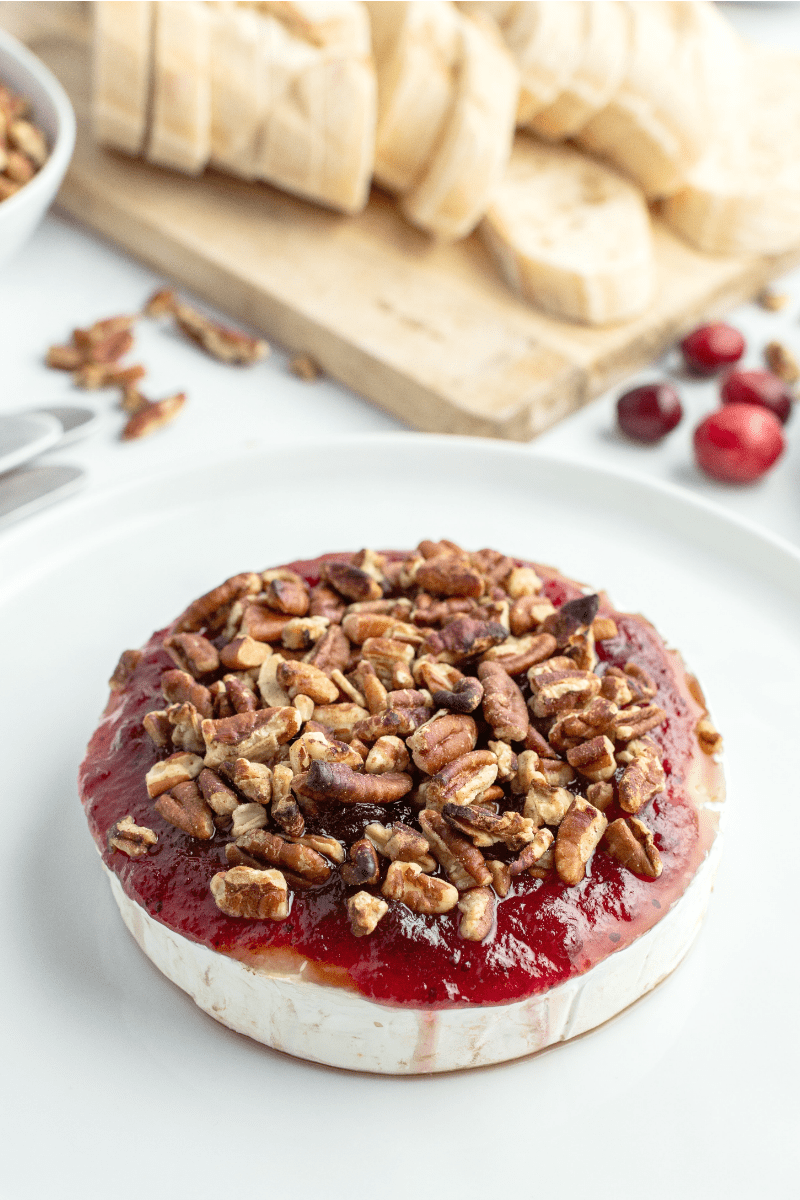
x=407 y=812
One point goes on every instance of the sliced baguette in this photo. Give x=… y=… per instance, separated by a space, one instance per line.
x=238 y=89
x=570 y=235
x=319 y=134
x=546 y=42
x=656 y=126
x=604 y=41
x=743 y=197
x=454 y=192
x=180 y=133
x=121 y=73
x=416 y=47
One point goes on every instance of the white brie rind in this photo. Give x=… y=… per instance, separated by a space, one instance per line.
x=341 y=1028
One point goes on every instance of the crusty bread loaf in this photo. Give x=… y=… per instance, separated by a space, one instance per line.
x=604 y=40
x=453 y=193
x=121 y=72
x=238 y=89
x=416 y=47
x=319 y=133
x=570 y=235
x=743 y=197
x=656 y=126
x=546 y=42
x=180 y=129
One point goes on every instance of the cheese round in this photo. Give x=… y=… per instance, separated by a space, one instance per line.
x=515 y=897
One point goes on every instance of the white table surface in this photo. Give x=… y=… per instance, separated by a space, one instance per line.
x=67 y=276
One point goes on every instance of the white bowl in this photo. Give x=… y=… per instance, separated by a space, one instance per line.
x=52 y=112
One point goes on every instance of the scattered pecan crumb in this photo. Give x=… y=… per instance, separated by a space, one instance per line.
x=133 y=840
x=305 y=368
x=220 y=341
x=152 y=415
x=162 y=303
x=771 y=300
x=710 y=739
x=782 y=362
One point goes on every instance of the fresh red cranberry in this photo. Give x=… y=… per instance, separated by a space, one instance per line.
x=711 y=347
x=649 y=412
x=739 y=443
x=758 y=387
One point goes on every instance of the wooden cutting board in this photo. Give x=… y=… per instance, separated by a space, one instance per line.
x=428 y=332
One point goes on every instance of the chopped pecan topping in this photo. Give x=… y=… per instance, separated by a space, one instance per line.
x=210 y=610
x=217 y=794
x=503 y=703
x=463 y=779
x=180 y=687
x=363 y=866
x=351 y=582
x=642 y=779
x=167 y=774
x=184 y=807
x=464 y=697
x=131 y=839
x=387 y=754
x=336 y=783
x=486 y=828
x=301 y=860
x=708 y=736
x=243 y=654
x=572 y=616
x=449 y=575
x=365 y=911
x=421 y=893
x=297 y=677
x=370 y=701
x=254 y=735
x=578 y=834
x=556 y=691
x=630 y=843
x=518 y=654
x=192 y=653
x=440 y=740
x=250 y=894
x=594 y=759
x=637 y=720
x=128 y=662
x=532 y=853
x=463 y=639
x=477 y=906
x=462 y=861
x=399 y=841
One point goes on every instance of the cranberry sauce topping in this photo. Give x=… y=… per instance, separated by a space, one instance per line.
x=545 y=932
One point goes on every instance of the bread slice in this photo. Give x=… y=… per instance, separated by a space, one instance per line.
x=546 y=42
x=656 y=126
x=416 y=47
x=180 y=134
x=319 y=134
x=743 y=197
x=238 y=89
x=121 y=73
x=570 y=235
x=454 y=192
x=604 y=40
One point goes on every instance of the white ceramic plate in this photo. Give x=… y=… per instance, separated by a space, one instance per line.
x=690 y=1093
